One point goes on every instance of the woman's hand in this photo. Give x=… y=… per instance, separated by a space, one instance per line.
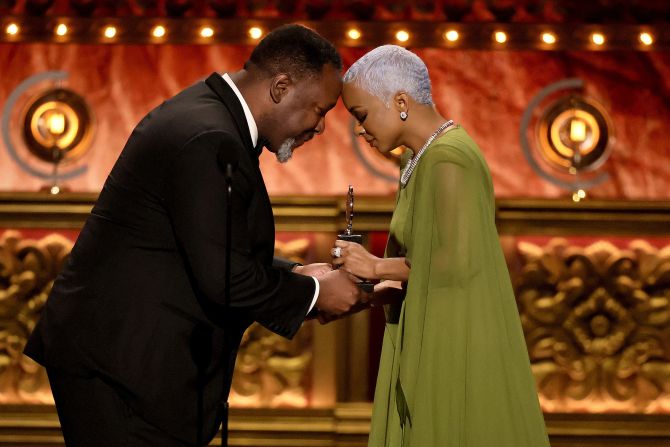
x=387 y=292
x=355 y=259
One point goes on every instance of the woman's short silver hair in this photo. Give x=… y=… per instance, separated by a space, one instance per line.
x=390 y=69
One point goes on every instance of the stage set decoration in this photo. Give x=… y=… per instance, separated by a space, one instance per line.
x=27 y=271
x=597 y=325
x=270 y=371
x=495 y=24
x=568 y=101
x=573 y=136
x=46 y=123
x=596 y=320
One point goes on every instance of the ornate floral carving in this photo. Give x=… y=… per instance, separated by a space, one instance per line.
x=597 y=325
x=27 y=271
x=270 y=370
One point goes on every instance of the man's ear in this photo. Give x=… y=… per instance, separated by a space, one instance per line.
x=401 y=102
x=279 y=87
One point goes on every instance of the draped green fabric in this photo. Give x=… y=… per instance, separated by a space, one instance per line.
x=454 y=368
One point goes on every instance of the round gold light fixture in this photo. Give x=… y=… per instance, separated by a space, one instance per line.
x=451 y=35
x=354 y=34
x=57 y=126
x=646 y=39
x=255 y=32
x=402 y=36
x=598 y=39
x=12 y=29
x=159 y=31
x=206 y=32
x=110 y=32
x=573 y=134
x=549 y=38
x=61 y=30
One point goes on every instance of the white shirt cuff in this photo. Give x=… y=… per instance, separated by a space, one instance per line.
x=316 y=294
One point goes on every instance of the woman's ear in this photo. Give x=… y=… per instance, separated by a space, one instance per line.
x=401 y=102
x=279 y=87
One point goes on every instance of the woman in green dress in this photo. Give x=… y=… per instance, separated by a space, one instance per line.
x=454 y=368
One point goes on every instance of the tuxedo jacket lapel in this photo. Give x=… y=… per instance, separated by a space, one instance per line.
x=216 y=82
x=232 y=103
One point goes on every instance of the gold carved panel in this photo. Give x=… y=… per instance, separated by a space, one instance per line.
x=270 y=370
x=27 y=271
x=597 y=325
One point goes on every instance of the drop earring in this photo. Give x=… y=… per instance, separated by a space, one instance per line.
x=403 y=115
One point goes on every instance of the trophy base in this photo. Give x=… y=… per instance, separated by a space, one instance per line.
x=365 y=285
x=357 y=238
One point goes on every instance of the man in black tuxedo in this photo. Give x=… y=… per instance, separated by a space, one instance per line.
x=138 y=346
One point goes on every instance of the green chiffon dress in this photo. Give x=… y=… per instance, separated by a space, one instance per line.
x=454 y=369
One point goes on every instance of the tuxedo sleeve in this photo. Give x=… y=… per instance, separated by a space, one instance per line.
x=283 y=263
x=196 y=196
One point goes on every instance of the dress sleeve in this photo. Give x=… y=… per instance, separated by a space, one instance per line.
x=447 y=217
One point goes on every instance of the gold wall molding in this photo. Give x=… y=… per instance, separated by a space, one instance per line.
x=326 y=214
x=27 y=271
x=346 y=425
x=597 y=325
x=270 y=370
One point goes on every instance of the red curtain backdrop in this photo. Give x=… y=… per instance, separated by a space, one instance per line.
x=486 y=91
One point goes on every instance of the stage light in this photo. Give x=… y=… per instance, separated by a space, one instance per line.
x=597 y=39
x=55 y=123
x=255 y=32
x=646 y=38
x=402 y=36
x=549 y=38
x=500 y=37
x=451 y=35
x=578 y=195
x=159 y=31
x=206 y=32
x=354 y=34
x=12 y=29
x=110 y=32
x=61 y=29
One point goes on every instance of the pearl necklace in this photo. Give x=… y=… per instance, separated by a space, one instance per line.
x=409 y=168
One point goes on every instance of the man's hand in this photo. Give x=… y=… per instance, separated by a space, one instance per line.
x=338 y=293
x=316 y=270
x=386 y=292
x=327 y=318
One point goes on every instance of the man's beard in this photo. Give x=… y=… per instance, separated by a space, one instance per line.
x=285 y=151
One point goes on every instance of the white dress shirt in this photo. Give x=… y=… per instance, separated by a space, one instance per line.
x=253 y=130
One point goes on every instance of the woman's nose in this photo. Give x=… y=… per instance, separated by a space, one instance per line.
x=321 y=126
x=358 y=129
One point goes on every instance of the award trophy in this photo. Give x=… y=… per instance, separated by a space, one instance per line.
x=348 y=235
